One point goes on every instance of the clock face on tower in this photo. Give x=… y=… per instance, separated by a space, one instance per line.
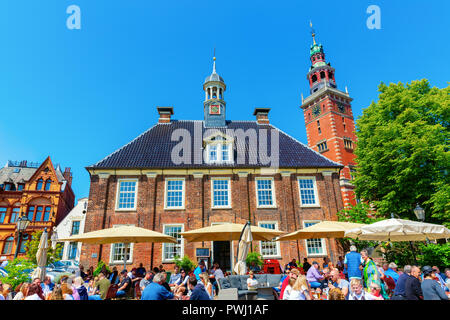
x=316 y=111
x=341 y=107
x=214 y=108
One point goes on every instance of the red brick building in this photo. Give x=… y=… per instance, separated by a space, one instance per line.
x=39 y=191
x=330 y=126
x=181 y=175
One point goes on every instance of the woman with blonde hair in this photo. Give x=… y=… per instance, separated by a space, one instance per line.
x=335 y=294
x=300 y=289
x=288 y=290
x=66 y=291
x=22 y=291
x=204 y=276
x=7 y=291
x=56 y=293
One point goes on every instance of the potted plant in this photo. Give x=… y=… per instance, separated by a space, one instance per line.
x=185 y=263
x=254 y=261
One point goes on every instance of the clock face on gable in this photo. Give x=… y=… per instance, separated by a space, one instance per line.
x=214 y=108
x=341 y=107
x=316 y=111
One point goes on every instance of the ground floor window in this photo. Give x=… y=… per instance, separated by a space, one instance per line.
x=269 y=248
x=314 y=247
x=73 y=248
x=118 y=252
x=170 y=250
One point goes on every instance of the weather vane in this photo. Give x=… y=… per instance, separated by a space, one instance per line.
x=313 y=33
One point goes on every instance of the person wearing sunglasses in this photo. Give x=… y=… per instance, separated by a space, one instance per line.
x=375 y=291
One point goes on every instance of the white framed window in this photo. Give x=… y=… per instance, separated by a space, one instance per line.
x=118 y=250
x=174 y=193
x=126 y=194
x=170 y=250
x=314 y=247
x=220 y=193
x=308 y=192
x=265 y=192
x=269 y=249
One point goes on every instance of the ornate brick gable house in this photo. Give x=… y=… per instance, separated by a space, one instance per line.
x=181 y=175
x=40 y=192
x=330 y=126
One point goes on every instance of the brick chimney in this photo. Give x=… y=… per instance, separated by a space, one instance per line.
x=262 y=115
x=68 y=176
x=164 y=114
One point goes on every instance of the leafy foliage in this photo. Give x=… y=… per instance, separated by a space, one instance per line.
x=434 y=254
x=99 y=268
x=254 y=257
x=185 y=263
x=18 y=271
x=32 y=246
x=400 y=252
x=403 y=151
x=360 y=213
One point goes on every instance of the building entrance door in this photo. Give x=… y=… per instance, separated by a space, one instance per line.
x=222 y=254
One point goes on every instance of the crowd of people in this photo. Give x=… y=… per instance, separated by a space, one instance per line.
x=138 y=283
x=355 y=277
x=358 y=277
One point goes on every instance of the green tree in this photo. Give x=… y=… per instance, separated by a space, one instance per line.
x=18 y=272
x=403 y=151
x=32 y=245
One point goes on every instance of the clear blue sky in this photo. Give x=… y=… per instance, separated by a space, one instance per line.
x=78 y=95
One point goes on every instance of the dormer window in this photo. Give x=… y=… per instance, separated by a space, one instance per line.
x=219 y=149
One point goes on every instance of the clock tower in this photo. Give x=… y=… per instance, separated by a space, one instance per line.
x=330 y=126
x=214 y=105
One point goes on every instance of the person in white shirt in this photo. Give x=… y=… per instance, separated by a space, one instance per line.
x=33 y=292
x=358 y=292
x=300 y=289
x=252 y=283
x=288 y=290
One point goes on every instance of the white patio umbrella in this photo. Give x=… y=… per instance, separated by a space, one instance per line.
x=122 y=234
x=399 y=230
x=41 y=257
x=244 y=245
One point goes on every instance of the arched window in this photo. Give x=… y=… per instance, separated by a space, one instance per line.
x=39 y=184
x=48 y=183
x=322 y=75
x=7 y=245
x=314 y=78
x=23 y=242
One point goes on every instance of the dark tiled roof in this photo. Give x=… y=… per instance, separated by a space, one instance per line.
x=153 y=149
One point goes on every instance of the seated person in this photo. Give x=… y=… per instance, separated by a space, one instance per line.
x=181 y=286
x=252 y=283
x=254 y=267
x=198 y=290
x=314 y=276
x=156 y=290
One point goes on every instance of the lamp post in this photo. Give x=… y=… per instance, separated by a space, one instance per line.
x=419 y=212
x=21 y=225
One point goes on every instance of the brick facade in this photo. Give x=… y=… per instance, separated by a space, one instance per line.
x=150 y=212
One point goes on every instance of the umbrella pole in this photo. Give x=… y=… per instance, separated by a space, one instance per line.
x=125 y=256
x=413 y=251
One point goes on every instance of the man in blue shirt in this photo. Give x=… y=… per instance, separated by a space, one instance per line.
x=352 y=263
x=200 y=268
x=198 y=290
x=391 y=270
x=155 y=290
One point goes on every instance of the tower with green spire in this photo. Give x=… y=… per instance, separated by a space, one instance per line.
x=329 y=119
